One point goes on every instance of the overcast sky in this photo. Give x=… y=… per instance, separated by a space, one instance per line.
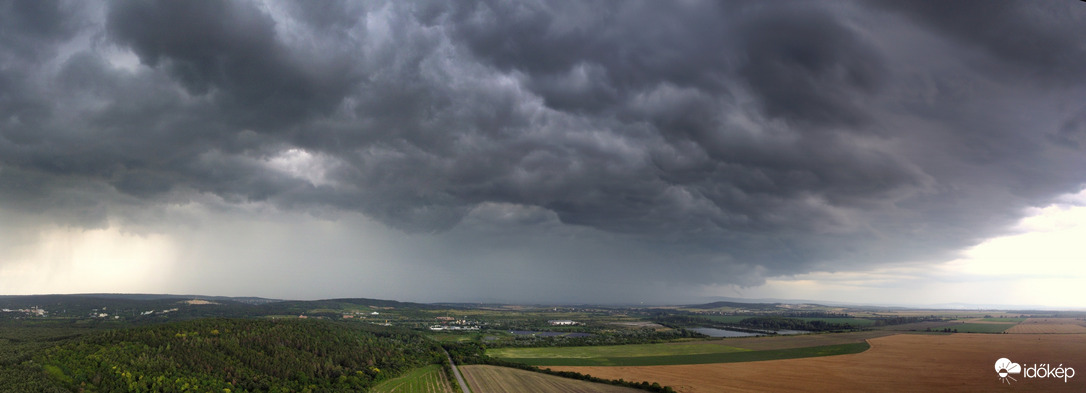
x=522 y=151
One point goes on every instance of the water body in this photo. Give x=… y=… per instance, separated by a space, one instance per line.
x=713 y=332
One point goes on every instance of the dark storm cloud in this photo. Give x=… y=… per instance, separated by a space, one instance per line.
x=229 y=50
x=809 y=68
x=29 y=28
x=1039 y=41
x=731 y=141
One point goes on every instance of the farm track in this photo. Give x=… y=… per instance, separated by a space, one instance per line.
x=456 y=373
x=907 y=362
x=494 y=379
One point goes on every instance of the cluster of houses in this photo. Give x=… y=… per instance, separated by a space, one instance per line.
x=163 y=312
x=562 y=322
x=454 y=327
x=35 y=311
x=359 y=315
x=450 y=323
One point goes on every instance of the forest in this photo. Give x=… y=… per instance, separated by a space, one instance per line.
x=221 y=355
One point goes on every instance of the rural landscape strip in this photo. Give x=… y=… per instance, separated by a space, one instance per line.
x=726 y=357
x=129 y=330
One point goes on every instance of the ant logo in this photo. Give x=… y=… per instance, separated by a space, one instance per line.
x=1005 y=367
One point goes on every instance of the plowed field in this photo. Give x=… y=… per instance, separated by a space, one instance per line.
x=912 y=363
x=494 y=379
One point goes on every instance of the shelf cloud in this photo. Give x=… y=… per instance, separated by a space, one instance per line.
x=666 y=144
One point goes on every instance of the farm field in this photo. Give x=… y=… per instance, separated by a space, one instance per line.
x=744 y=349
x=494 y=379
x=429 y=379
x=906 y=362
x=554 y=356
x=980 y=327
x=954 y=314
x=797 y=341
x=610 y=351
x=728 y=345
x=916 y=326
x=1049 y=326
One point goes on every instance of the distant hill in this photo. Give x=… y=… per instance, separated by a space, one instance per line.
x=748 y=306
x=153 y=296
x=160 y=307
x=386 y=303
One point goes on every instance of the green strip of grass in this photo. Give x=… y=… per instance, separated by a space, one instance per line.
x=1007 y=320
x=612 y=351
x=981 y=327
x=732 y=357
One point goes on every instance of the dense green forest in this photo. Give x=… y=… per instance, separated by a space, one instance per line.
x=20 y=341
x=220 y=355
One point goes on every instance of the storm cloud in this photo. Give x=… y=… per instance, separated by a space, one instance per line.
x=679 y=143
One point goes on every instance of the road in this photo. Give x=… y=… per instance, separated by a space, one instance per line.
x=456 y=372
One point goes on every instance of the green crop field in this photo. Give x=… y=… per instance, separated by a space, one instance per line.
x=429 y=379
x=981 y=327
x=612 y=351
x=1007 y=320
x=732 y=355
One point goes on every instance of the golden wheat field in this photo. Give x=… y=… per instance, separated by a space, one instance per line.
x=1049 y=326
x=905 y=363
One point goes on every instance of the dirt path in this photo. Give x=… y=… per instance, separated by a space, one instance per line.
x=456 y=373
